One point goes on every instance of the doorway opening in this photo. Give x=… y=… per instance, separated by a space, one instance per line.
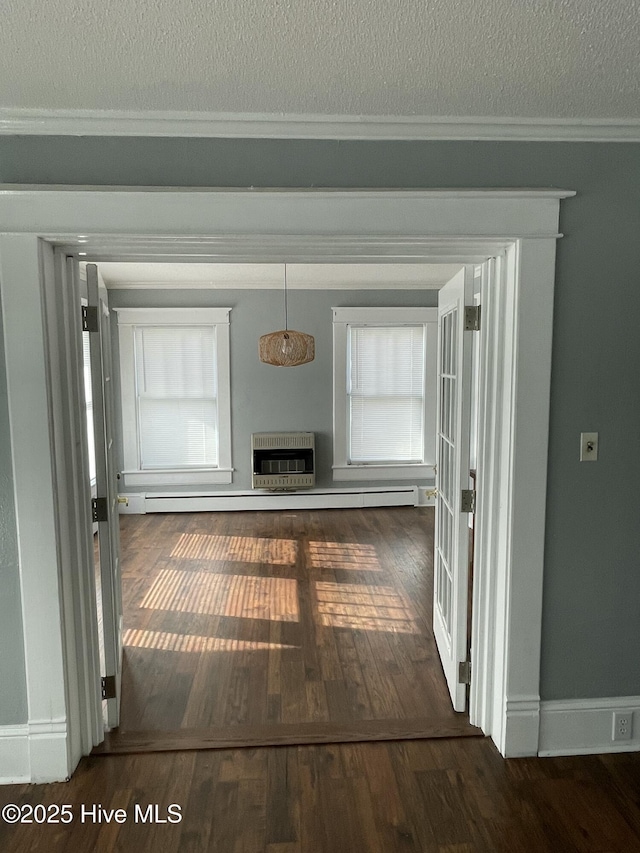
x=517 y=227
x=294 y=626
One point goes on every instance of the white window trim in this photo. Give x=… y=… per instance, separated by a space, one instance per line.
x=397 y=316
x=128 y=320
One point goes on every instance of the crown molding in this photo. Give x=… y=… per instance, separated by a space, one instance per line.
x=20 y=122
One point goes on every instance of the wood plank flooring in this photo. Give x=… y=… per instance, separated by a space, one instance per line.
x=283 y=734
x=439 y=796
x=252 y=623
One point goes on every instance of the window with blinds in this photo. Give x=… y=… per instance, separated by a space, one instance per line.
x=176 y=396
x=385 y=388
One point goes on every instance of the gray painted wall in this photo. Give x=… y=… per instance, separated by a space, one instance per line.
x=13 y=685
x=591 y=641
x=266 y=398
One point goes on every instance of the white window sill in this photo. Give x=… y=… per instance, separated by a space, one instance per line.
x=383 y=472
x=178 y=477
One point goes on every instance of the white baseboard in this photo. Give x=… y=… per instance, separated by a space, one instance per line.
x=34 y=752
x=134 y=505
x=48 y=751
x=15 y=766
x=427 y=495
x=265 y=500
x=584 y=726
x=520 y=731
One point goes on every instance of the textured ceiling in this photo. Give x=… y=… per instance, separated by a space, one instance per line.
x=517 y=58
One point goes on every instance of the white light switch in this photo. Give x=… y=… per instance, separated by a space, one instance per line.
x=588 y=446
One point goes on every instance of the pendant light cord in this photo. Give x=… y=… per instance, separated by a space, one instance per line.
x=286 y=326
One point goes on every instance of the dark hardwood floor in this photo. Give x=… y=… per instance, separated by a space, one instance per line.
x=436 y=796
x=445 y=795
x=280 y=627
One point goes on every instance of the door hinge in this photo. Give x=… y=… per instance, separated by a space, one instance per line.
x=99 y=509
x=108 y=686
x=89 y=318
x=464 y=672
x=468 y=500
x=472 y=318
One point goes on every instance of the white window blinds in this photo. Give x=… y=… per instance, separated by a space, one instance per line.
x=385 y=386
x=176 y=390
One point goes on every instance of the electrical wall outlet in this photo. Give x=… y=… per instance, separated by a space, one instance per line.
x=588 y=446
x=622 y=725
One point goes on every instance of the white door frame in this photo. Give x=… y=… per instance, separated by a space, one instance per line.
x=516 y=227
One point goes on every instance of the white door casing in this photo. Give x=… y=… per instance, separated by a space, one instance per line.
x=451 y=535
x=517 y=227
x=107 y=493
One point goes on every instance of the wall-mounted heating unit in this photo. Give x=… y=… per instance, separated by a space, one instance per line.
x=283 y=460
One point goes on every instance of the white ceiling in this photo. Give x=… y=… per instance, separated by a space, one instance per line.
x=500 y=58
x=259 y=276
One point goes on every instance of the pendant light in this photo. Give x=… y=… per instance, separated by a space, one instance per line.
x=286 y=348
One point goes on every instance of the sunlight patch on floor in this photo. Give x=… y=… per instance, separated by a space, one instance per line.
x=364 y=607
x=344 y=555
x=239 y=549
x=163 y=641
x=243 y=596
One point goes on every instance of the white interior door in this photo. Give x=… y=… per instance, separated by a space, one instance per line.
x=451 y=555
x=106 y=501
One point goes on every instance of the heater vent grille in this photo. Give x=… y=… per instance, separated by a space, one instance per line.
x=282 y=440
x=286 y=481
x=283 y=460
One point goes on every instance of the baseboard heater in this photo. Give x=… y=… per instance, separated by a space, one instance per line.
x=266 y=500
x=283 y=461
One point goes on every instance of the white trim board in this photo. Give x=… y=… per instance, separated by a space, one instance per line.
x=33 y=752
x=15 y=766
x=173 y=316
x=264 y=500
x=42 y=122
x=584 y=726
x=48 y=750
x=355 y=471
x=175 y=477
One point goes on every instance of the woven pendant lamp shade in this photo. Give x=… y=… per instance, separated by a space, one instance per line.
x=287 y=348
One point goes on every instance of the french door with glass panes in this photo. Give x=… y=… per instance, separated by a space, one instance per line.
x=451 y=555
x=106 y=502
